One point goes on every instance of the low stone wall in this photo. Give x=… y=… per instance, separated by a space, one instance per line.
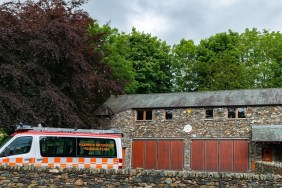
x=268 y=167
x=30 y=176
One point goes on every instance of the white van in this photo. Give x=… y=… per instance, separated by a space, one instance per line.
x=63 y=147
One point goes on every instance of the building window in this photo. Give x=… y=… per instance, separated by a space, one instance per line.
x=231 y=112
x=241 y=112
x=144 y=115
x=168 y=114
x=209 y=113
x=237 y=113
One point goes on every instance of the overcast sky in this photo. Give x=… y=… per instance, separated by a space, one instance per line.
x=172 y=20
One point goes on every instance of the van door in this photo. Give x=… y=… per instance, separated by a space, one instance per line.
x=19 y=151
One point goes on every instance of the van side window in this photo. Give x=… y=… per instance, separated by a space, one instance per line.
x=96 y=147
x=57 y=146
x=19 y=146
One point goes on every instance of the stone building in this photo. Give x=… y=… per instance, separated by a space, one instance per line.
x=201 y=131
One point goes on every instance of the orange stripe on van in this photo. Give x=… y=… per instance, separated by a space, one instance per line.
x=110 y=166
x=80 y=160
x=12 y=164
x=92 y=160
x=57 y=160
x=69 y=160
x=115 y=160
x=19 y=160
x=86 y=165
x=31 y=160
x=6 y=160
x=45 y=160
x=104 y=160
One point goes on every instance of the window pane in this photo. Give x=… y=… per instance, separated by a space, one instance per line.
x=241 y=113
x=95 y=147
x=5 y=141
x=57 y=146
x=209 y=113
x=140 y=114
x=149 y=115
x=168 y=114
x=20 y=145
x=231 y=113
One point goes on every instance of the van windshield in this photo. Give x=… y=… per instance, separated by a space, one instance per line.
x=5 y=141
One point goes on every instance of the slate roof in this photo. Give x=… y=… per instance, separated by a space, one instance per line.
x=245 y=97
x=267 y=133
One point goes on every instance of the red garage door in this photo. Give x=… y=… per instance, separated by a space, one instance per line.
x=197 y=155
x=220 y=155
x=226 y=154
x=158 y=154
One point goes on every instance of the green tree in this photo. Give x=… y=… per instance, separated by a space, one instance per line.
x=151 y=60
x=261 y=54
x=116 y=53
x=229 y=60
x=253 y=56
x=217 y=66
x=140 y=62
x=184 y=58
x=272 y=66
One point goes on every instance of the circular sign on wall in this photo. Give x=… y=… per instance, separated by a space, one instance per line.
x=187 y=128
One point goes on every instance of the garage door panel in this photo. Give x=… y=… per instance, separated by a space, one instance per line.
x=226 y=156
x=211 y=155
x=197 y=155
x=241 y=148
x=220 y=155
x=151 y=154
x=138 y=154
x=164 y=154
x=177 y=155
x=158 y=154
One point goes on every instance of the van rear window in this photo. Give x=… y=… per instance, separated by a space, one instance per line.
x=96 y=147
x=77 y=147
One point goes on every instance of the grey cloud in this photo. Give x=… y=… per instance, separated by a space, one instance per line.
x=189 y=19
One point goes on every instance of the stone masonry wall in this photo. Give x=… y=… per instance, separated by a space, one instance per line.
x=219 y=127
x=31 y=177
x=262 y=167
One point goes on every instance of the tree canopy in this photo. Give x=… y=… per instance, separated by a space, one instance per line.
x=229 y=60
x=51 y=68
x=141 y=61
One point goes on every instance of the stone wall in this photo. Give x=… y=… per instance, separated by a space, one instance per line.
x=218 y=127
x=268 y=167
x=30 y=176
